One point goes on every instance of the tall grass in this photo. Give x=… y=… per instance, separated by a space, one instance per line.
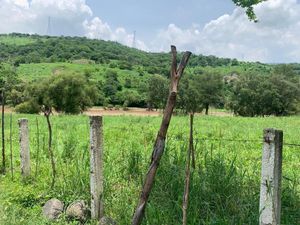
x=224 y=186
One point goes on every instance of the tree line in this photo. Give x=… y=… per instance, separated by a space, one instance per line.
x=65 y=49
x=250 y=94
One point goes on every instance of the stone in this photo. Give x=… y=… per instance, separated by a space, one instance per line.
x=53 y=209
x=107 y=221
x=77 y=210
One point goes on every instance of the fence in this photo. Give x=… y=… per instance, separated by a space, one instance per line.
x=271 y=172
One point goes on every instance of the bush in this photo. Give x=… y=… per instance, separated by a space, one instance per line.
x=28 y=107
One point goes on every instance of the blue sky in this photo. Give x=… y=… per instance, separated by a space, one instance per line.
x=209 y=27
x=147 y=17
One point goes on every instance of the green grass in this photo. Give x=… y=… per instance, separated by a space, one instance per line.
x=224 y=187
x=35 y=71
x=9 y=40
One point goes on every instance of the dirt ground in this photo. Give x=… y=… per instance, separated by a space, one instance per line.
x=140 y=112
x=94 y=111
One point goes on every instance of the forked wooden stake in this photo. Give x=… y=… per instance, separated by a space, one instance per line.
x=158 y=149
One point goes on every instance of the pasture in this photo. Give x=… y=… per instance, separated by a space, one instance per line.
x=224 y=186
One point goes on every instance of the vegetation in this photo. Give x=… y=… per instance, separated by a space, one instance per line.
x=70 y=74
x=69 y=93
x=224 y=186
x=277 y=94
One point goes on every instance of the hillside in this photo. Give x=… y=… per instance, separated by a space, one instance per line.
x=126 y=76
x=24 y=49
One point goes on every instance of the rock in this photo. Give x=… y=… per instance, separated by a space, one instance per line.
x=107 y=221
x=77 y=210
x=53 y=209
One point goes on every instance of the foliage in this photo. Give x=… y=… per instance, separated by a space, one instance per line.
x=8 y=80
x=224 y=186
x=199 y=91
x=189 y=97
x=67 y=49
x=69 y=93
x=29 y=107
x=255 y=95
x=157 y=91
x=248 y=4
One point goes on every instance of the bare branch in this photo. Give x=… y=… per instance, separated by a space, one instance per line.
x=159 y=145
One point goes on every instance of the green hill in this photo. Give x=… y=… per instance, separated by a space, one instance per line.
x=35 y=57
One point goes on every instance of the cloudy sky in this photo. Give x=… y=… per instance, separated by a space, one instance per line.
x=209 y=27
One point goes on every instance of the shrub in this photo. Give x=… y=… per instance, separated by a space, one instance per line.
x=28 y=107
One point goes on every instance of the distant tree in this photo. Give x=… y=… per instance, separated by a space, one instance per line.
x=69 y=93
x=8 y=79
x=210 y=87
x=129 y=97
x=276 y=94
x=190 y=98
x=157 y=91
x=111 y=86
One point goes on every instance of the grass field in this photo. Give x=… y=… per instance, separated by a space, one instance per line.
x=224 y=187
x=35 y=71
x=9 y=40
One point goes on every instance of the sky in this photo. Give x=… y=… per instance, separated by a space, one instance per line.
x=208 y=27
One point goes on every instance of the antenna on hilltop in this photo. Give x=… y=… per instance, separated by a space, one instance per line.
x=134 y=41
x=49 y=26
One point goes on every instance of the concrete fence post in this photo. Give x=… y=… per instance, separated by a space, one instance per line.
x=96 y=165
x=24 y=147
x=270 y=187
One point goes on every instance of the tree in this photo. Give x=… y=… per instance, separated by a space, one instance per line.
x=158 y=149
x=69 y=93
x=157 y=91
x=210 y=89
x=111 y=86
x=248 y=5
x=275 y=94
x=8 y=79
x=190 y=99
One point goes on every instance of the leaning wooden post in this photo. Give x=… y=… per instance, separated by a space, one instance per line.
x=270 y=189
x=96 y=161
x=159 y=145
x=24 y=148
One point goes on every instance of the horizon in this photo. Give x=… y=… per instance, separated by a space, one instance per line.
x=200 y=26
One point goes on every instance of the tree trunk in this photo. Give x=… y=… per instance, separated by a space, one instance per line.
x=10 y=147
x=3 y=134
x=206 y=109
x=159 y=145
x=47 y=115
x=188 y=172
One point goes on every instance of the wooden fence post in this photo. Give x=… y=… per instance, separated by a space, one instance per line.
x=96 y=164
x=270 y=188
x=24 y=147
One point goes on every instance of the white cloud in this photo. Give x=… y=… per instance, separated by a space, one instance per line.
x=97 y=29
x=68 y=17
x=275 y=38
x=31 y=16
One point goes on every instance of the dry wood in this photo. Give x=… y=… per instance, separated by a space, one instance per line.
x=158 y=149
x=188 y=173
x=3 y=137
x=38 y=146
x=10 y=147
x=47 y=114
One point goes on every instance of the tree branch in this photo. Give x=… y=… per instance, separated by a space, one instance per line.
x=159 y=145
